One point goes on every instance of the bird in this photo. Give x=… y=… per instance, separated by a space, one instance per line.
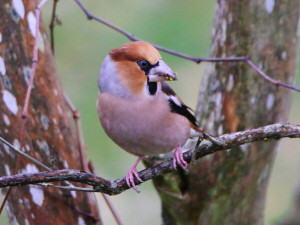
x=138 y=110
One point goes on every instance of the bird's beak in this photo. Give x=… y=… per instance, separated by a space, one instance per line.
x=161 y=73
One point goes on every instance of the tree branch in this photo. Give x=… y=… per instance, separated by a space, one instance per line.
x=198 y=60
x=206 y=147
x=131 y=37
x=52 y=25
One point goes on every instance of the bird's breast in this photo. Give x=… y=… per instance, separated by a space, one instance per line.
x=142 y=126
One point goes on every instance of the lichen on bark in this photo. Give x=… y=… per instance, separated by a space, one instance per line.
x=49 y=135
x=230 y=187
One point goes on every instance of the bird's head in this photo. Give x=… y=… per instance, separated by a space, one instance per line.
x=133 y=69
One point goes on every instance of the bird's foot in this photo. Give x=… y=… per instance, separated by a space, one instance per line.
x=178 y=159
x=130 y=176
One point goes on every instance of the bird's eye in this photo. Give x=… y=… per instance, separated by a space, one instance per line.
x=143 y=64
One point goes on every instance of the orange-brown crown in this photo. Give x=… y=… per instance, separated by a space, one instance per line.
x=134 y=51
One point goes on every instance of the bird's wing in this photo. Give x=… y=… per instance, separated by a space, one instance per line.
x=177 y=106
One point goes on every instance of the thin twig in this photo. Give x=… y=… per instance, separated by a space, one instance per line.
x=25 y=155
x=206 y=147
x=83 y=160
x=19 y=152
x=34 y=59
x=112 y=209
x=271 y=80
x=76 y=117
x=52 y=25
x=131 y=37
x=34 y=63
x=108 y=201
x=244 y=59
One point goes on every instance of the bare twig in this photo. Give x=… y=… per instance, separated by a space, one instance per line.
x=108 y=201
x=112 y=209
x=25 y=155
x=244 y=59
x=34 y=61
x=69 y=187
x=271 y=80
x=52 y=25
x=206 y=147
x=19 y=152
x=83 y=160
x=76 y=117
x=131 y=37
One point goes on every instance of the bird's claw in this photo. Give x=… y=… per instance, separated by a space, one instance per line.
x=130 y=178
x=178 y=159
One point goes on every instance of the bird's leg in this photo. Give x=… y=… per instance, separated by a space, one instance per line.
x=130 y=176
x=178 y=159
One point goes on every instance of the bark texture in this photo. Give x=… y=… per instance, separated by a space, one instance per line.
x=49 y=135
x=230 y=187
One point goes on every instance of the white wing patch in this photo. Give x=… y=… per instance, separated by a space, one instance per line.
x=175 y=100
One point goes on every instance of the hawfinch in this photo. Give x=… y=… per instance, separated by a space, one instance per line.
x=137 y=109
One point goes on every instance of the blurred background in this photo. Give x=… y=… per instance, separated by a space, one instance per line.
x=80 y=47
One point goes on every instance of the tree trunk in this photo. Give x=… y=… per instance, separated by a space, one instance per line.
x=230 y=187
x=49 y=133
